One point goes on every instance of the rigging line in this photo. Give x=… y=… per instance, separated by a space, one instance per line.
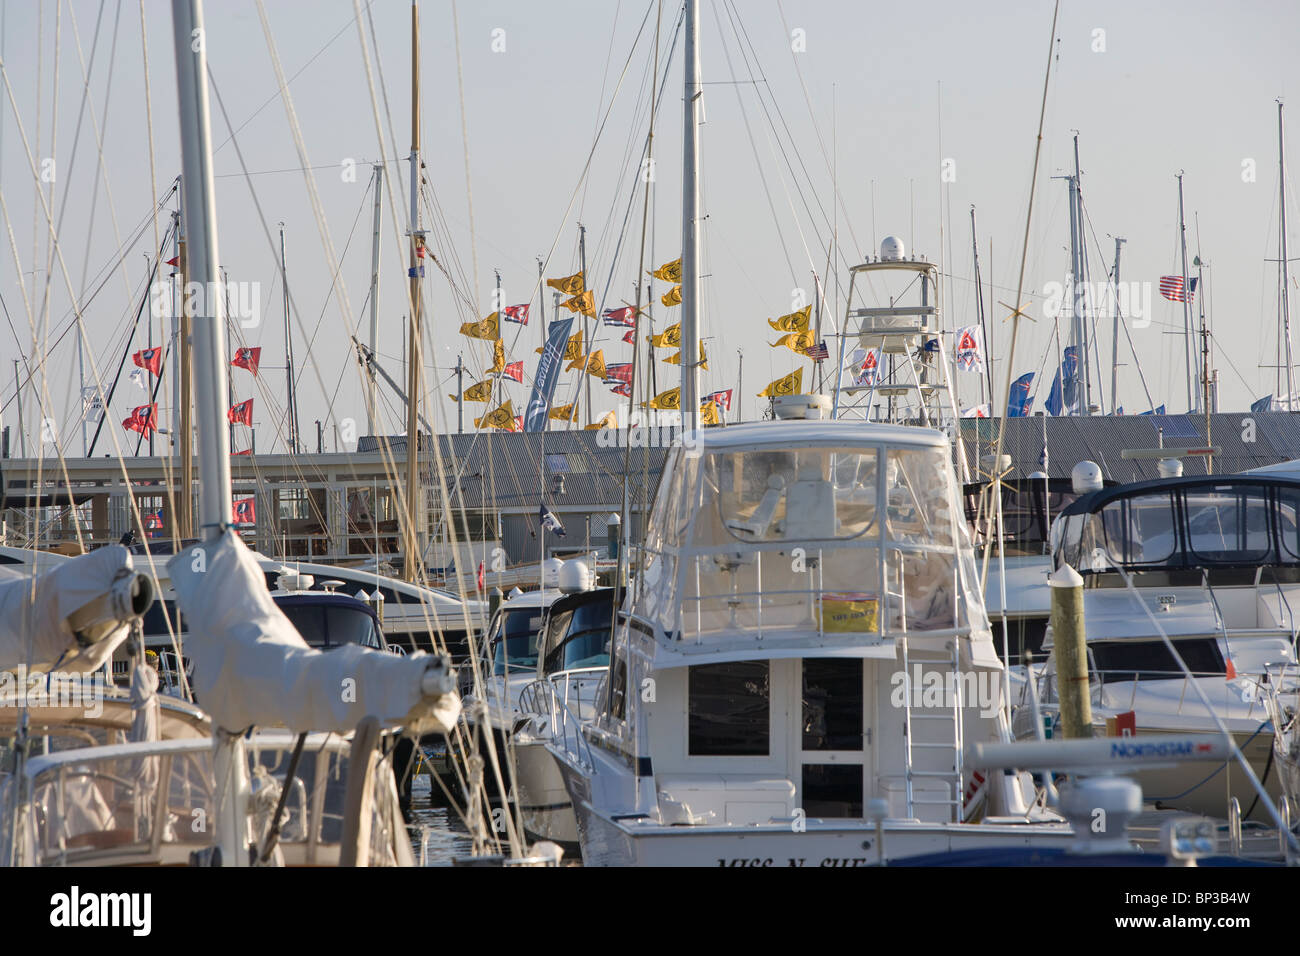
x=148 y=117
x=284 y=85
x=604 y=85
x=464 y=137
x=753 y=147
x=817 y=130
x=775 y=144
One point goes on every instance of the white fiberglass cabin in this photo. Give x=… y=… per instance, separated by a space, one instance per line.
x=803 y=658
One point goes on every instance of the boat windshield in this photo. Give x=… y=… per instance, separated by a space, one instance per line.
x=585 y=641
x=1212 y=525
x=514 y=646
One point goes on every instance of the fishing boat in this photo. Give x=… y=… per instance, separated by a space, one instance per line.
x=1212 y=565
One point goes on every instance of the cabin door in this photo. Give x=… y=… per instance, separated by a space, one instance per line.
x=832 y=740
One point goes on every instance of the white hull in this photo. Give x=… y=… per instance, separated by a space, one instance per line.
x=543 y=800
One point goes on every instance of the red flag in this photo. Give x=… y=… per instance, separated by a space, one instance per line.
x=480 y=577
x=519 y=423
x=144 y=419
x=153 y=520
x=247 y=358
x=623 y=388
x=150 y=359
x=244 y=512
x=241 y=414
x=515 y=370
x=516 y=313
x=629 y=337
x=246 y=451
x=174 y=261
x=722 y=397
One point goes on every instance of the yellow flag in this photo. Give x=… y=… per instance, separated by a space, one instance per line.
x=596 y=364
x=676 y=357
x=794 y=322
x=671 y=399
x=498 y=357
x=797 y=341
x=669 y=271
x=610 y=420
x=569 y=285
x=572 y=348
x=672 y=297
x=489 y=328
x=584 y=303
x=669 y=338
x=709 y=414
x=503 y=416
x=792 y=384
x=563 y=413
x=480 y=392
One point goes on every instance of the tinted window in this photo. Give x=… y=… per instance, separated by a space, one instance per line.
x=1229 y=525
x=331 y=626
x=729 y=707
x=832 y=704
x=518 y=650
x=1151 y=660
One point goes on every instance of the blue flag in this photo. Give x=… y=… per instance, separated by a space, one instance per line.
x=1064 y=397
x=1019 y=402
x=1265 y=404
x=548 y=373
x=547 y=517
x=1158 y=410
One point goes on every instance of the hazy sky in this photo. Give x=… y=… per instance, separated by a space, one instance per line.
x=804 y=98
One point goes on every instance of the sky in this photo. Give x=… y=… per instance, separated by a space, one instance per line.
x=827 y=126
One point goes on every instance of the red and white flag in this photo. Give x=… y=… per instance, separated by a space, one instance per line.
x=243 y=511
x=514 y=370
x=970 y=349
x=622 y=388
x=629 y=338
x=241 y=414
x=248 y=358
x=1171 y=287
x=150 y=359
x=868 y=372
x=625 y=317
x=722 y=397
x=516 y=313
x=976 y=411
x=144 y=419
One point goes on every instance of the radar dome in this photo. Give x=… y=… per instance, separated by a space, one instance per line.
x=1085 y=477
x=574 y=576
x=891 y=249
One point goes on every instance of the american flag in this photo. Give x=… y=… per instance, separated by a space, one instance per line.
x=1171 y=287
x=818 y=352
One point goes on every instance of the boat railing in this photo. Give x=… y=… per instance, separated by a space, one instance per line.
x=1104 y=694
x=543 y=698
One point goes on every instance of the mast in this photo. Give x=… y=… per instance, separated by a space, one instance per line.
x=460 y=394
x=586 y=319
x=1283 y=264
x=411 y=548
x=184 y=497
x=1078 y=333
x=372 y=405
x=1114 y=353
x=1193 y=399
x=288 y=351
x=22 y=431
x=983 y=318
x=201 y=259
x=690 y=401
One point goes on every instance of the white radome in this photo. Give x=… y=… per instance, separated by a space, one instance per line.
x=891 y=249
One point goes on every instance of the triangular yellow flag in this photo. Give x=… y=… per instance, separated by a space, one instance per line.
x=503 y=416
x=489 y=328
x=563 y=413
x=709 y=414
x=669 y=400
x=596 y=364
x=569 y=285
x=792 y=384
x=498 y=357
x=572 y=348
x=584 y=303
x=610 y=420
x=796 y=341
x=676 y=357
x=479 y=392
x=669 y=271
x=672 y=297
x=669 y=338
x=794 y=322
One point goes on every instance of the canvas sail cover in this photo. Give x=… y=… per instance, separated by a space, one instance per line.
x=72 y=616
x=252 y=667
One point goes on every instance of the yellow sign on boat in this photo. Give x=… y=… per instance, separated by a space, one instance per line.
x=848 y=612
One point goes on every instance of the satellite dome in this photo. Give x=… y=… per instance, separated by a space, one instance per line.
x=891 y=249
x=551 y=572
x=1086 y=477
x=574 y=577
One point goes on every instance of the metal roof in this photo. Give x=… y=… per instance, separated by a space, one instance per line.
x=1246 y=440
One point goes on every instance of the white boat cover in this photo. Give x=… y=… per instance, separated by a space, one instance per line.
x=35 y=613
x=252 y=667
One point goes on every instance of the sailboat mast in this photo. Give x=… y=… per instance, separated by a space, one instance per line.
x=209 y=347
x=1114 y=344
x=288 y=351
x=184 y=496
x=586 y=319
x=1078 y=333
x=1283 y=264
x=414 y=513
x=1193 y=399
x=690 y=389
x=373 y=402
